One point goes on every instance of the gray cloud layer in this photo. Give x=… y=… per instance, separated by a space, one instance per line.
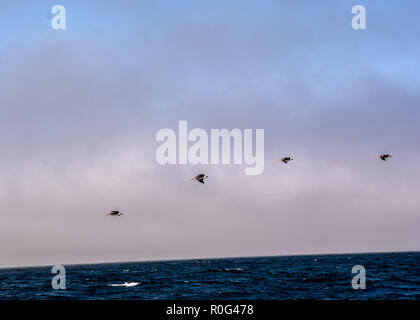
x=78 y=123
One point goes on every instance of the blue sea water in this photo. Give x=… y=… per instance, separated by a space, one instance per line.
x=388 y=276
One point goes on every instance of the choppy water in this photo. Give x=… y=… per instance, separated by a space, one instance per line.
x=388 y=276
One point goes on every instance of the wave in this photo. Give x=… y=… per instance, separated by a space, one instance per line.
x=125 y=284
x=234 y=269
x=223 y=270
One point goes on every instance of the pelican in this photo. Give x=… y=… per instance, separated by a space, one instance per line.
x=200 y=177
x=286 y=159
x=114 y=213
x=384 y=156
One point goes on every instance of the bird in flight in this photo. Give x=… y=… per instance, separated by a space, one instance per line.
x=114 y=213
x=200 y=177
x=286 y=159
x=384 y=156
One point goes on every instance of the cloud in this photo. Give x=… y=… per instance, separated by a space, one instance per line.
x=79 y=117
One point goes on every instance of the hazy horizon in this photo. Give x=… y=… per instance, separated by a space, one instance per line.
x=212 y=258
x=80 y=109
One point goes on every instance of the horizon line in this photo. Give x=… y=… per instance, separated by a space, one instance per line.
x=213 y=258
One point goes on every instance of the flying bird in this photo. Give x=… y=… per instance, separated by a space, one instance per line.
x=114 y=213
x=384 y=156
x=286 y=159
x=200 y=177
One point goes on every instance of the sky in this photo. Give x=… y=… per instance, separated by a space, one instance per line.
x=80 y=109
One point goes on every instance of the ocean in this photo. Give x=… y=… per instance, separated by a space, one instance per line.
x=388 y=276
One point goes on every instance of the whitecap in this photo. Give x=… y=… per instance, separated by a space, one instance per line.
x=125 y=284
x=234 y=269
